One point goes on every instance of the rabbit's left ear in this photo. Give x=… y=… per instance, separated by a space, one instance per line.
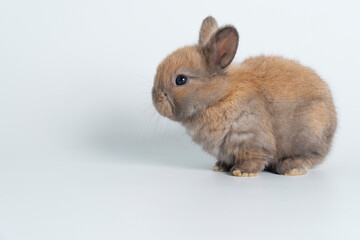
x=208 y=28
x=220 y=50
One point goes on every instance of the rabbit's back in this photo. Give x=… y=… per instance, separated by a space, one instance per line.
x=282 y=79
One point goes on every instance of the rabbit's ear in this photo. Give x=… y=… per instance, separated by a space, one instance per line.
x=220 y=50
x=207 y=30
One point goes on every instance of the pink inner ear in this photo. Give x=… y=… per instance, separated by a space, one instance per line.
x=219 y=52
x=221 y=48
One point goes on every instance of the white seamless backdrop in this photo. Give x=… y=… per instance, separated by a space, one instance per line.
x=84 y=155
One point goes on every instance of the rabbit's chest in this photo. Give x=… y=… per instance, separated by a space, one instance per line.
x=210 y=134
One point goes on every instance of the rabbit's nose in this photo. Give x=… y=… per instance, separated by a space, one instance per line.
x=153 y=93
x=157 y=95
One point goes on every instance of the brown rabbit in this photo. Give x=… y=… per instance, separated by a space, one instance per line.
x=267 y=112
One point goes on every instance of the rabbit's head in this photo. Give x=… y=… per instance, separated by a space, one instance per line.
x=193 y=78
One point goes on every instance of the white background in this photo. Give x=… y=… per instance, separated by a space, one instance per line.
x=84 y=155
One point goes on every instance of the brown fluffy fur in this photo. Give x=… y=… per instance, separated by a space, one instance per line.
x=267 y=112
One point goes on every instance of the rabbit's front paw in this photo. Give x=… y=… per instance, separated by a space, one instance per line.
x=238 y=173
x=220 y=167
x=249 y=164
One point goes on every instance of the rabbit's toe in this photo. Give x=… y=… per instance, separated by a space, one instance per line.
x=238 y=173
x=296 y=172
x=219 y=168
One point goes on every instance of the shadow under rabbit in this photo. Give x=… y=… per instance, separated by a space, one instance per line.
x=128 y=145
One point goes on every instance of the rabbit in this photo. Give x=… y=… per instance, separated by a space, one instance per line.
x=266 y=113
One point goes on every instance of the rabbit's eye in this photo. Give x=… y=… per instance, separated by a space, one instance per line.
x=181 y=80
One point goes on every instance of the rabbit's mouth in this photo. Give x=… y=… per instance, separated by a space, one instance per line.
x=163 y=104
